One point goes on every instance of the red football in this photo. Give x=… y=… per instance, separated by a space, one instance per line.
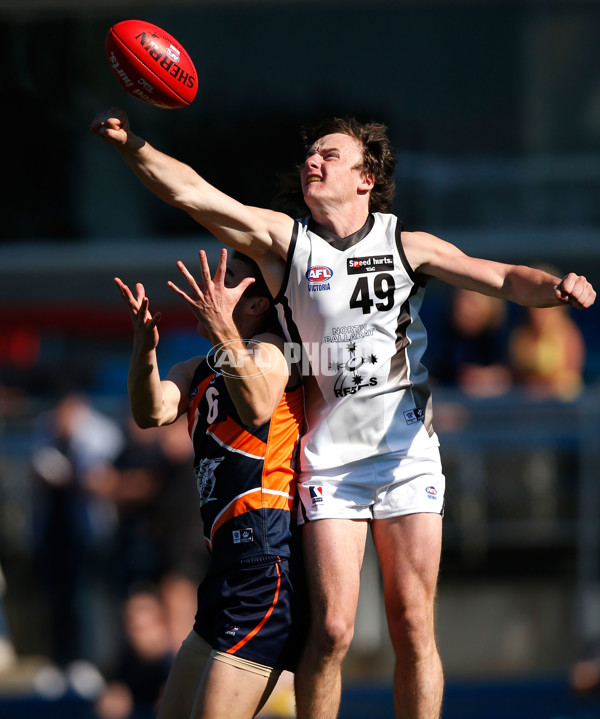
x=150 y=64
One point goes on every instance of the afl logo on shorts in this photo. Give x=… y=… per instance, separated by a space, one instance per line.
x=431 y=492
x=319 y=273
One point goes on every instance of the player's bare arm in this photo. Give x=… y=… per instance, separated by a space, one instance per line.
x=255 y=371
x=254 y=231
x=263 y=375
x=153 y=402
x=523 y=285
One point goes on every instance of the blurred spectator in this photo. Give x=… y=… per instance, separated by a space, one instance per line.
x=73 y=526
x=159 y=537
x=547 y=353
x=584 y=674
x=133 y=483
x=135 y=687
x=185 y=558
x=282 y=702
x=7 y=650
x=472 y=347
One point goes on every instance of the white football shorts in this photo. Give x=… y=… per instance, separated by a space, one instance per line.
x=389 y=485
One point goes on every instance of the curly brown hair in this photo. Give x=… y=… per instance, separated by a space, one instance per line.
x=378 y=158
x=378 y=154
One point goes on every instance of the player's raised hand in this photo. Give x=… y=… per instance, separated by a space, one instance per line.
x=212 y=302
x=575 y=290
x=144 y=323
x=112 y=126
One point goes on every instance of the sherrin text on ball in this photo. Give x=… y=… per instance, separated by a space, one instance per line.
x=151 y=64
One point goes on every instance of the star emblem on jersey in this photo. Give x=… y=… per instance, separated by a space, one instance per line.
x=350 y=379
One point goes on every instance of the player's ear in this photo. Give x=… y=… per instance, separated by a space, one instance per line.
x=367 y=182
x=258 y=305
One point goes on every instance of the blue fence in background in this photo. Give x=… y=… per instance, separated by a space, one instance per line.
x=548 y=698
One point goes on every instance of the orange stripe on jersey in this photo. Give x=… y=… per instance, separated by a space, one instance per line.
x=254 y=499
x=259 y=626
x=284 y=430
x=195 y=401
x=230 y=434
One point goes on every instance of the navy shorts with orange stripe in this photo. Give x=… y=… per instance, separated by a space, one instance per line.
x=257 y=611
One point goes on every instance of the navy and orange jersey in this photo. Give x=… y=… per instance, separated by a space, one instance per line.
x=246 y=476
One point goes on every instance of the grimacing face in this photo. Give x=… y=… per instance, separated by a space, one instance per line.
x=331 y=171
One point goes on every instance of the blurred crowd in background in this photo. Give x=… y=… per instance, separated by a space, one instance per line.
x=116 y=550
x=110 y=550
x=494 y=108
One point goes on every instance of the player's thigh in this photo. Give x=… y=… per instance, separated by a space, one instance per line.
x=231 y=692
x=184 y=678
x=334 y=551
x=409 y=549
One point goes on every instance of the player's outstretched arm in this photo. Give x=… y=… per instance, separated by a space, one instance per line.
x=254 y=231
x=153 y=402
x=527 y=286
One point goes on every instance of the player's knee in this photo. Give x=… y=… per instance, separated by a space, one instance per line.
x=333 y=636
x=412 y=630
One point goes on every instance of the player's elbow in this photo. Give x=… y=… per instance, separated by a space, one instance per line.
x=146 y=421
x=149 y=418
x=254 y=419
x=256 y=415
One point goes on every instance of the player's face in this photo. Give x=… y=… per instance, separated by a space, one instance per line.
x=237 y=270
x=331 y=170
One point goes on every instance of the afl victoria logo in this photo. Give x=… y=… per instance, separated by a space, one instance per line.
x=319 y=273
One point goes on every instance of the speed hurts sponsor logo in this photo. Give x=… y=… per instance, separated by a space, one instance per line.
x=318 y=277
x=373 y=263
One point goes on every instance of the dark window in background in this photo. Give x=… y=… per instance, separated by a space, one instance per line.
x=453 y=82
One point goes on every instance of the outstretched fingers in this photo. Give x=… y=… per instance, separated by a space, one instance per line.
x=124 y=290
x=181 y=293
x=221 y=267
x=189 y=278
x=144 y=323
x=207 y=280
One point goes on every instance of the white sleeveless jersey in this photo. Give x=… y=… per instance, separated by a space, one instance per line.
x=354 y=302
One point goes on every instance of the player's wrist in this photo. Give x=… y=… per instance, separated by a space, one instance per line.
x=133 y=144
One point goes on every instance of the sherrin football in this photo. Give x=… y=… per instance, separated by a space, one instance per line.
x=150 y=64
